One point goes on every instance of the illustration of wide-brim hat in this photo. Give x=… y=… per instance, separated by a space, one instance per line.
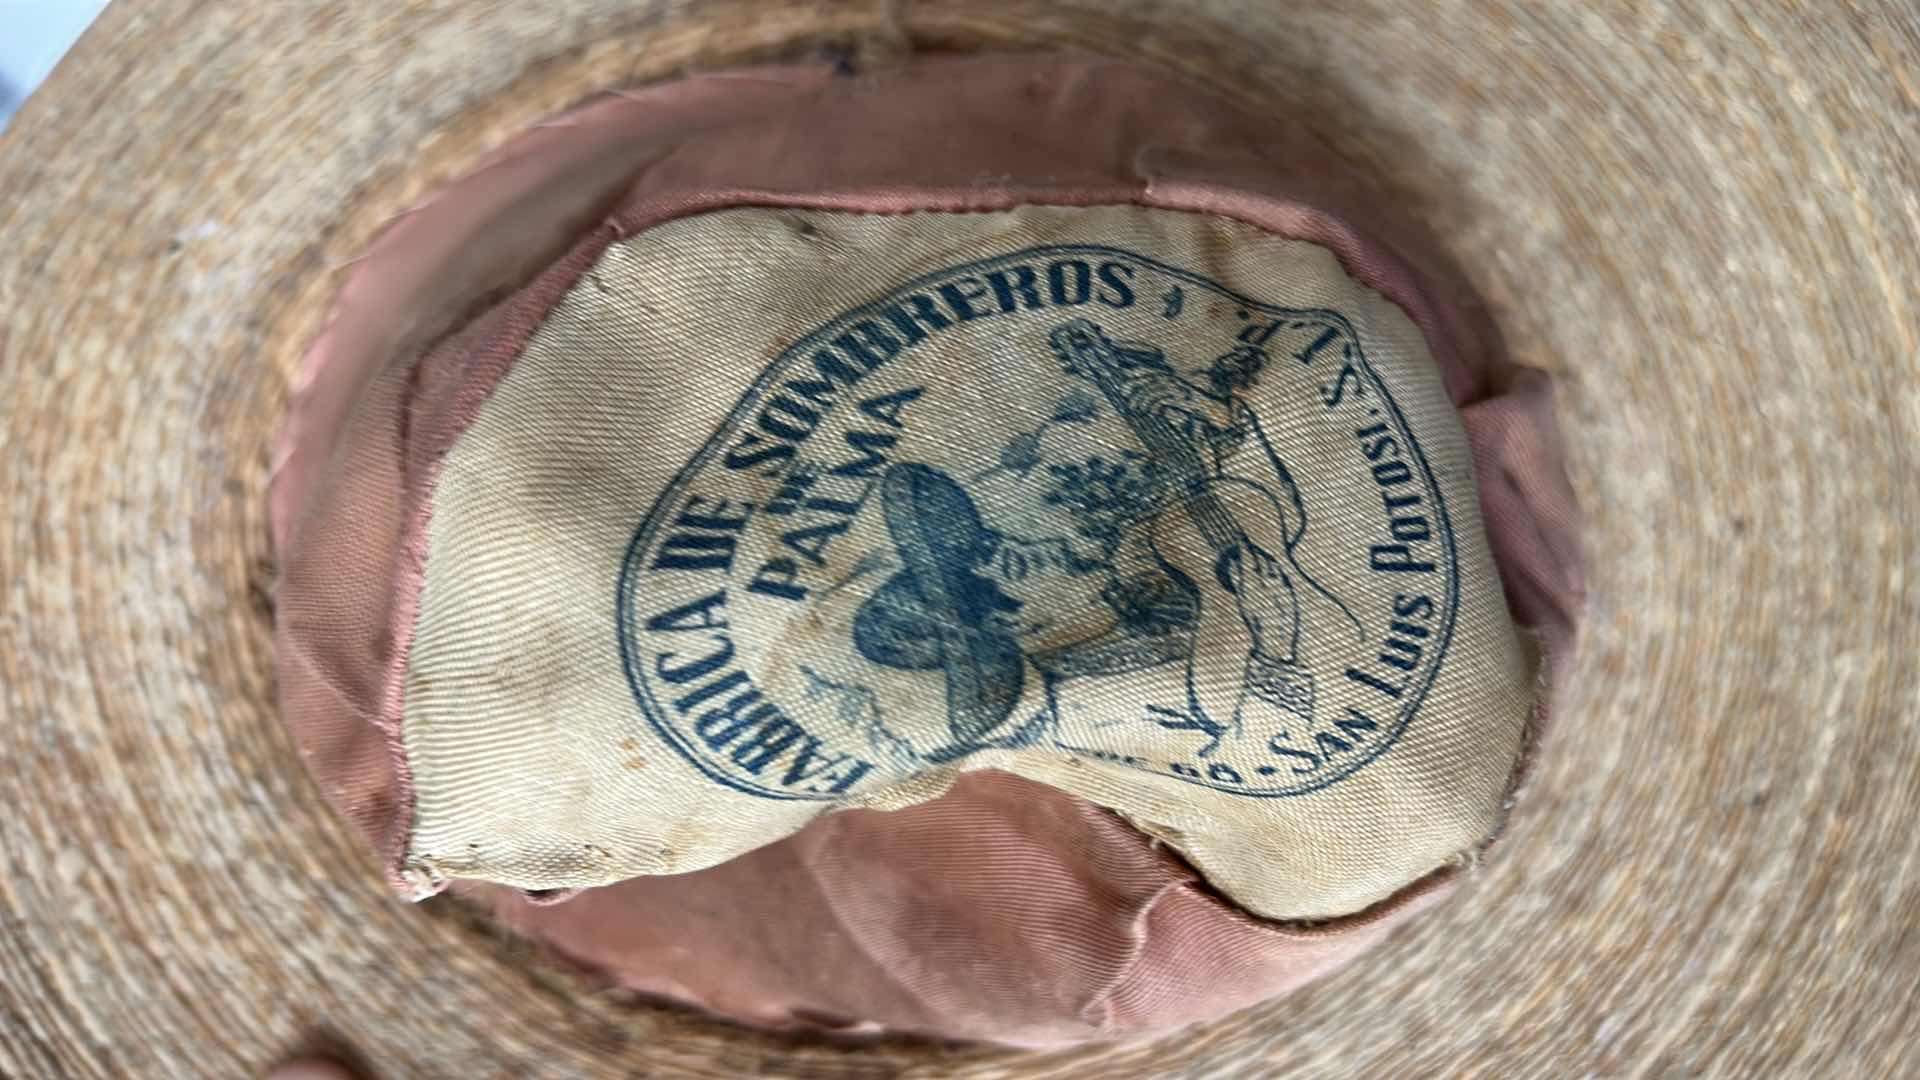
x=1696 y=220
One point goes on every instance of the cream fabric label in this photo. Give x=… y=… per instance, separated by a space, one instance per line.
x=786 y=511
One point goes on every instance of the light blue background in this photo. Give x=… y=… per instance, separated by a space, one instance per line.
x=34 y=34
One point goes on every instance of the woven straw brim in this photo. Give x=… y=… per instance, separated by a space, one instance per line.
x=1700 y=217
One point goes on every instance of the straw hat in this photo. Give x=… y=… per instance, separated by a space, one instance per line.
x=1694 y=221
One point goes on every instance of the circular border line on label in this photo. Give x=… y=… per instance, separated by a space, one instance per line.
x=832 y=786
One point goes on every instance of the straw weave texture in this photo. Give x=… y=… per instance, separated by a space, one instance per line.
x=1703 y=218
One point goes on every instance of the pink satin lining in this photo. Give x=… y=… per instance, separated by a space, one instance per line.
x=1005 y=910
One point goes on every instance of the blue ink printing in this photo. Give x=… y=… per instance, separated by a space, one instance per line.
x=852 y=582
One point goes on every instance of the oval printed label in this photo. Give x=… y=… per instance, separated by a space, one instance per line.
x=1070 y=501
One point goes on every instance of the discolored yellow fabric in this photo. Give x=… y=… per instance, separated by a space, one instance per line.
x=1695 y=215
x=783 y=511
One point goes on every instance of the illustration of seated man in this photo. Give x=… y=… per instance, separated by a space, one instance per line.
x=1147 y=522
